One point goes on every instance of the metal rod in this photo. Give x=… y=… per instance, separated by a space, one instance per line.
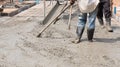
x=69 y=22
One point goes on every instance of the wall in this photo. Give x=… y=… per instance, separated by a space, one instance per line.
x=116 y=2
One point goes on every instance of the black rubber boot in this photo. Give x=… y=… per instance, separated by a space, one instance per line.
x=90 y=33
x=108 y=25
x=79 y=33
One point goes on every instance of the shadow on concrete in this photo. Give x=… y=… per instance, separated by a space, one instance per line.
x=116 y=27
x=110 y=40
x=107 y=40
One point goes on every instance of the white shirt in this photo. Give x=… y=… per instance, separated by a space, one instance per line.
x=87 y=6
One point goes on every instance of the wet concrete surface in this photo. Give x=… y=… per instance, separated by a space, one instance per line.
x=19 y=46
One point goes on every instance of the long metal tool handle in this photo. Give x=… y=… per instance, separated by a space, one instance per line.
x=61 y=11
x=53 y=21
x=69 y=22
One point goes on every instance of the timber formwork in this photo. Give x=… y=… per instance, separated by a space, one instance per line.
x=11 y=9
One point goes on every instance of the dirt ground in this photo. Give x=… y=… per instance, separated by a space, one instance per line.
x=19 y=46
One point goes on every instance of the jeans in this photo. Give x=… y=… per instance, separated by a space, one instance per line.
x=91 y=19
x=91 y=24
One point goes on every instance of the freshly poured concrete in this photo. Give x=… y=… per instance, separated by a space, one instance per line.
x=19 y=46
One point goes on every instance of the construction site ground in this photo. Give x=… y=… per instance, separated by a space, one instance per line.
x=19 y=46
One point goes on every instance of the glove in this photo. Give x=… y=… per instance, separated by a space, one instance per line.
x=72 y=2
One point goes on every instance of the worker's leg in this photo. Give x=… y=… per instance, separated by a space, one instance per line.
x=91 y=24
x=107 y=14
x=100 y=13
x=80 y=27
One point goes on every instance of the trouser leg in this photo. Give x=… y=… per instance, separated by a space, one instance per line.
x=80 y=26
x=91 y=24
x=106 y=9
x=107 y=13
x=108 y=25
x=100 y=13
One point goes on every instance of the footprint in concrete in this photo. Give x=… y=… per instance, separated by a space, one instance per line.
x=109 y=59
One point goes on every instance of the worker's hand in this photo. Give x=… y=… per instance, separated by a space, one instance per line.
x=72 y=2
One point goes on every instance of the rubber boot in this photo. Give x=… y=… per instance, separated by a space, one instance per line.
x=90 y=33
x=108 y=25
x=79 y=32
x=101 y=22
